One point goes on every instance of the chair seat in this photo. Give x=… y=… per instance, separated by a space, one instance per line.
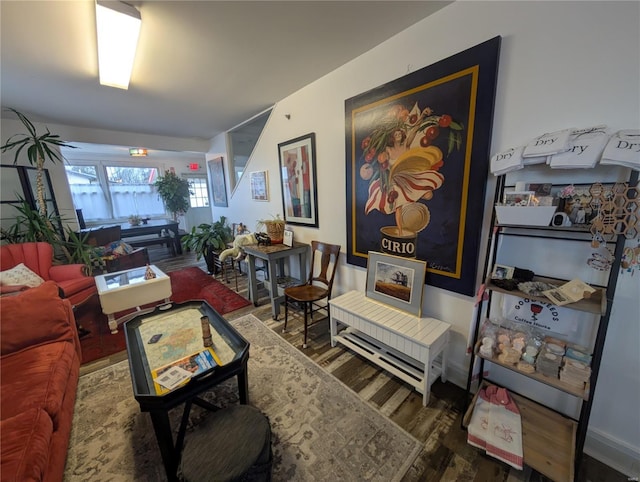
x=306 y=293
x=317 y=287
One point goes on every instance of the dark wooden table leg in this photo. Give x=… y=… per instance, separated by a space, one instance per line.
x=162 y=428
x=243 y=385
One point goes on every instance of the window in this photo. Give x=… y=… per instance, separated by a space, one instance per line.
x=241 y=141
x=110 y=192
x=199 y=192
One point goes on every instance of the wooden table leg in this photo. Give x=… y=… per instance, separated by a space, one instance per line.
x=273 y=281
x=243 y=385
x=162 y=428
x=253 y=282
x=113 y=323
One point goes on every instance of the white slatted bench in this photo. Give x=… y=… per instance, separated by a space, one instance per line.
x=403 y=344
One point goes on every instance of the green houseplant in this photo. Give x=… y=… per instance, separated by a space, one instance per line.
x=37 y=224
x=208 y=239
x=31 y=226
x=174 y=192
x=40 y=147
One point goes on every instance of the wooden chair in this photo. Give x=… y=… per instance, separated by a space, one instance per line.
x=317 y=287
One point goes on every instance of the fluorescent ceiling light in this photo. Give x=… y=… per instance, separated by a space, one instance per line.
x=118 y=27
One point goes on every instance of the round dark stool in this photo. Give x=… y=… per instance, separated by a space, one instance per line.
x=232 y=444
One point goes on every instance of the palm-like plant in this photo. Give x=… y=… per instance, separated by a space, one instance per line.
x=30 y=226
x=40 y=148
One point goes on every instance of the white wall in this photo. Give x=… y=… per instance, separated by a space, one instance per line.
x=562 y=64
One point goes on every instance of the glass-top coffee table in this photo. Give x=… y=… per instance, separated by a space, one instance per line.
x=127 y=289
x=181 y=343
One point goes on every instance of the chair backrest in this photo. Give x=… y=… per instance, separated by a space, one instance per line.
x=103 y=236
x=38 y=257
x=325 y=273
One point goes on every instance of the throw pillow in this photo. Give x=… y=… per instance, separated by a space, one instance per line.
x=20 y=275
x=123 y=249
x=35 y=316
x=117 y=248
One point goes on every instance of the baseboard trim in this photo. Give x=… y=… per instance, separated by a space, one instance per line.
x=613 y=452
x=457 y=374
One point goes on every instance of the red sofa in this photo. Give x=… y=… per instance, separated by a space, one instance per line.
x=39 y=370
x=38 y=257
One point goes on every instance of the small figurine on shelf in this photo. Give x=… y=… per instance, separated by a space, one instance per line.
x=149 y=274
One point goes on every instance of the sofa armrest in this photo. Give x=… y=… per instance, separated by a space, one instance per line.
x=66 y=272
x=11 y=289
x=36 y=316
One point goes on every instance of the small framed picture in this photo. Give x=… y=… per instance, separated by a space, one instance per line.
x=396 y=281
x=259 y=186
x=501 y=271
x=518 y=198
x=287 y=240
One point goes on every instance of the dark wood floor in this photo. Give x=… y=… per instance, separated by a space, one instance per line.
x=446 y=455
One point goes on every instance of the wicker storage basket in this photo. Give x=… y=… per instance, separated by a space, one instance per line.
x=275 y=230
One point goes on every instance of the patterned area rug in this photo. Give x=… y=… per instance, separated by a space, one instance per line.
x=186 y=284
x=321 y=429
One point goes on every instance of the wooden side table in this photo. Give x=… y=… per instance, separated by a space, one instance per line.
x=275 y=256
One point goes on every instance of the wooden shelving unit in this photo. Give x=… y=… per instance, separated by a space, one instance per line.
x=552 y=382
x=596 y=303
x=548 y=438
x=552 y=442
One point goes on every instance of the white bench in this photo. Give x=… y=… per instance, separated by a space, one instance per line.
x=403 y=344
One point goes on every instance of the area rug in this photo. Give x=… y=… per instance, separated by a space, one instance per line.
x=321 y=429
x=186 y=284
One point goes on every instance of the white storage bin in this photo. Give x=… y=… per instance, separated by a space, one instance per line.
x=525 y=215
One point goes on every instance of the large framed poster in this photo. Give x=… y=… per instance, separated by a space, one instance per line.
x=417 y=152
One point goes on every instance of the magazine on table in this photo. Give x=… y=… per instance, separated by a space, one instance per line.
x=178 y=372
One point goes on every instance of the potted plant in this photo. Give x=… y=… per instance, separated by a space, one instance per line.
x=209 y=239
x=174 y=192
x=36 y=224
x=30 y=226
x=39 y=148
x=274 y=227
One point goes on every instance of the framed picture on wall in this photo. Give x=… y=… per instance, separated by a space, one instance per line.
x=298 y=178
x=218 y=184
x=417 y=157
x=259 y=186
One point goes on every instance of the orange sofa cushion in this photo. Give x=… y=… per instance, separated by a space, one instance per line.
x=38 y=377
x=37 y=315
x=25 y=440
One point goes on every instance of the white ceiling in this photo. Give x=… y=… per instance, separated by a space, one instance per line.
x=202 y=67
